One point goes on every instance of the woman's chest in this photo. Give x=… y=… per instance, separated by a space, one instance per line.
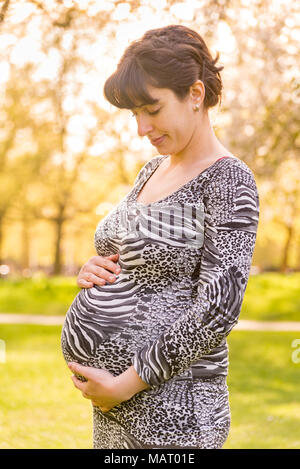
x=160 y=241
x=158 y=188
x=162 y=185
x=176 y=221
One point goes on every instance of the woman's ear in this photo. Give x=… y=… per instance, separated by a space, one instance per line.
x=197 y=93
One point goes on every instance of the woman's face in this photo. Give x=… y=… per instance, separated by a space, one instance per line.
x=169 y=124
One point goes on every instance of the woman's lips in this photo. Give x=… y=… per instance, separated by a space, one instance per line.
x=157 y=141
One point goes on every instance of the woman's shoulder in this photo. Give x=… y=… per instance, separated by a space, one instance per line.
x=230 y=171
x=231 y=197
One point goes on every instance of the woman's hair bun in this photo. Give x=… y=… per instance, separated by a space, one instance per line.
x=171 y=57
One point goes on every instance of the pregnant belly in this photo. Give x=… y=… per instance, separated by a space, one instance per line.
x=94 y=317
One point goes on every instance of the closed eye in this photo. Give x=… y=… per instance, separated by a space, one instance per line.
x=153 y=113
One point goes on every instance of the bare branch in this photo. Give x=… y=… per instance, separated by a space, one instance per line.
x=38 y=4
x=4 y=10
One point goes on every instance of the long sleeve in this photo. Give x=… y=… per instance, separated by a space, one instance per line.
x=231 y=219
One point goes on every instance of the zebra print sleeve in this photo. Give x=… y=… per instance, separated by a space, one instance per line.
x=143 y=172
x=231 y=218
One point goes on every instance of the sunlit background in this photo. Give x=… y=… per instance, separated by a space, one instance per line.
x=67 y=157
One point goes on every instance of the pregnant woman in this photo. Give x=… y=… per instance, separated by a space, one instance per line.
x=149 y=349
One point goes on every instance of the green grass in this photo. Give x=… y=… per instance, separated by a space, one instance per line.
x=264 y=388
x=40 y=408
x=48 y=296
x=272 y=297
x=39 y=405
x=268 y=297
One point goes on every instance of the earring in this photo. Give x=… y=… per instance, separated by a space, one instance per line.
x=197 y=108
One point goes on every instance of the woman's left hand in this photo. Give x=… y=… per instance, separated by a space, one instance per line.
x=101 y=387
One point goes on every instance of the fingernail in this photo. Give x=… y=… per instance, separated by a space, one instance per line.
x=111 y=278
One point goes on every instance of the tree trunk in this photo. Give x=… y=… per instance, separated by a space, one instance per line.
x=4 y=10
x=1 y=239
x=57 y=268
x=298 y=255
x=284 y=264
x=25 y=242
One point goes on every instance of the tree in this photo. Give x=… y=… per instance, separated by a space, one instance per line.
x=258 y=120
x=3 y=10
x=283 y=200
x=20 y=158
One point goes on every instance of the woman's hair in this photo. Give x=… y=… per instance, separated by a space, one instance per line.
x=172 y=57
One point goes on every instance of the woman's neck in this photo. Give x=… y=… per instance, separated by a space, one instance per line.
x=202 y=149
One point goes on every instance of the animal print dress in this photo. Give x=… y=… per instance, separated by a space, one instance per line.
x=185 y=264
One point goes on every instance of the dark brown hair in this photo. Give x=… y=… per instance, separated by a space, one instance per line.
x=172 y=57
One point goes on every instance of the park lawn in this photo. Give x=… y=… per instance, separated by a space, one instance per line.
x=41 y=295
x=39 y=405
x=40 y=408
x=264 y=387
x=272 y=297
x=268 y=297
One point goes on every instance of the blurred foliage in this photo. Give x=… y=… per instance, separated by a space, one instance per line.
x=268 y=297
x=66 y=158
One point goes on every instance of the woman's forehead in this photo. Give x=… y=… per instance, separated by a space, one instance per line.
x=139 y=106
x=159 y=95
x=154 y=97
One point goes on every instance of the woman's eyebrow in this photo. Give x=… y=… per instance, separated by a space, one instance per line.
x=157 y=100
x=149 y=104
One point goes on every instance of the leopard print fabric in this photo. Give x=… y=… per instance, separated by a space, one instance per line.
x=185 y=264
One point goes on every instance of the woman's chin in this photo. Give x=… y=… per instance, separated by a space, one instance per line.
x=162 y=150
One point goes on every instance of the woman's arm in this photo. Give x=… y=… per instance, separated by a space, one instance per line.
x=104 y=389
x=232 y=209
x=130 y=383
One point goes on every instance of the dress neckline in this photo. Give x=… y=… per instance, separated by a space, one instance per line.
x=157 y=163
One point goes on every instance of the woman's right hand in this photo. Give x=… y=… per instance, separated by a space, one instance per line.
x=98 y=270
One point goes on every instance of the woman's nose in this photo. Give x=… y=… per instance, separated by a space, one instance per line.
x=144 y=126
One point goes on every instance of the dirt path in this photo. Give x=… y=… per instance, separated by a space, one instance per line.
x=31 y=319
x=58 y=320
